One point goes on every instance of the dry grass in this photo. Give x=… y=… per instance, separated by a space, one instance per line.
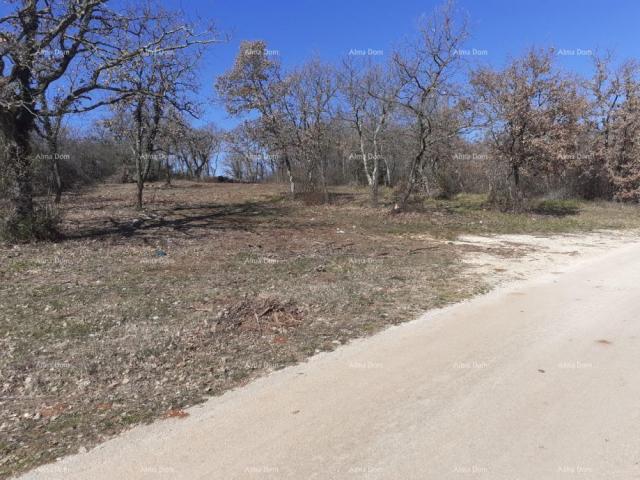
x=136 y=315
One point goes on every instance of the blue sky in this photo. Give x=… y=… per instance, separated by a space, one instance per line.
x=330 y=28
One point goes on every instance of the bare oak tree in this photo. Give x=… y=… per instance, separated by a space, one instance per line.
x=160 y=81
x=255 y=85
x=40 y=41
x=425 y=70
x=308 y=111
x=369 y=92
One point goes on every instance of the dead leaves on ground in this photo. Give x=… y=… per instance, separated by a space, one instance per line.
x=266 y=316
x=52 y=410
x=175 y=413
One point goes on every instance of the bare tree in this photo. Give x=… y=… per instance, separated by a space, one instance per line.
x=248 y=157
x=308 y=110
x=197 y=148
x=160 y=81
x=369 y=92
x=204 y=145
x=54 y=112
x=425 y=70
x=51 y=127
x=169 y=141
x=255 y=84
x=40 y=41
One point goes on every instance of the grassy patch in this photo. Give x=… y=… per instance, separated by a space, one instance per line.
x=556 y=207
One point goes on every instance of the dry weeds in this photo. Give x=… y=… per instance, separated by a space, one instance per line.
x=136 y=315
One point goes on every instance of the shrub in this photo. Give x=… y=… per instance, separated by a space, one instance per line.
x=556 y=207
x=42 y=225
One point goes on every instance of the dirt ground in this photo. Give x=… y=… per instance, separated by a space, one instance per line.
x=535 y=254
x=134 y=315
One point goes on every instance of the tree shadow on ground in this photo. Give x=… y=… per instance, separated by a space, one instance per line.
x=190 y=220
x=333 y=198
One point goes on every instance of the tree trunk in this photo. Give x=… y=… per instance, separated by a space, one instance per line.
x=16 y=129
x=141 y=174
x=140 y=189
x=376 y=169
x=413 y=173
x=516 y=194
x=411 y=181
x=55 y=169
x=22 y=191
x=17 y=126
x=292 y=185
x=124 y=178
x=365 y=162
x=387 y=172
x=168 y=167
x=374 y=182
x=57 y=179
x=323 y=178
x=141 y=169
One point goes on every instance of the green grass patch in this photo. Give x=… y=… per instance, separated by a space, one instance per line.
x=556 y=207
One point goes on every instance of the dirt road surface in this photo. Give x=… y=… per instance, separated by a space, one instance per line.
x=536 y=380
